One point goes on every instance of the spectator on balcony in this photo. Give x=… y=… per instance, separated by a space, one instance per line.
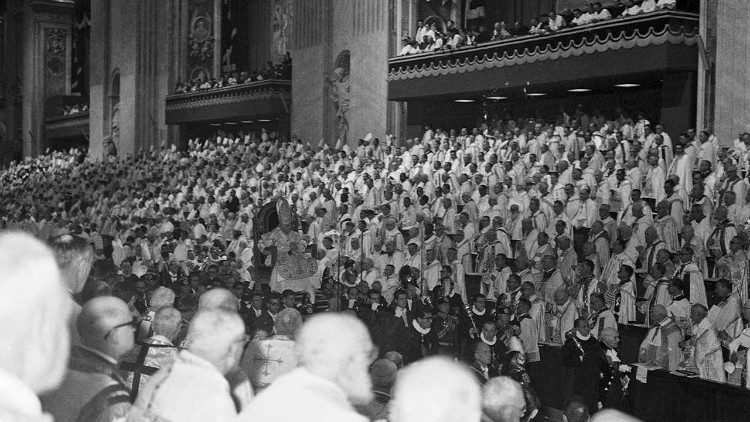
x=648 y=6
x=666 y=4
x=410 y=47
x=518 y=29
x=589 y=15
x=439 y=42
x=500 y=31
x=539 y=26
x=421 y=30
x=600 y=14
x=456 y=40
x=427 y=44
x=579 y=19
x=631 y=9
x=469 y=37
x=555 y=21
x=432 y=32
x=484 y=35
x=450 y=28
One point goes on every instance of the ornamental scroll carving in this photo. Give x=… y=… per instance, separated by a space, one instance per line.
x=201 y=39
x=55 y=60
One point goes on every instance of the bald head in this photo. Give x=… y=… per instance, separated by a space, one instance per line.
x=34 y=308
x=338 y=347
x=503 y=400
x=288 y=322
x=218 y=298
x=167 y=322
x=611 y=415
x=102 y=326
x=453 y=393
x=217 y=336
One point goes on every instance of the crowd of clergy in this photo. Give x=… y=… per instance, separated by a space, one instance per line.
x=472 y=245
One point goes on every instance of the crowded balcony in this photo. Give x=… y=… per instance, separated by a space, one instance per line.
x=659 y=41
x=66 y=117
x=247 y=100
x=262 y=93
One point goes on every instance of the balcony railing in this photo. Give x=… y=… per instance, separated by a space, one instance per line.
x=269 y=97
x=72 y=125
x=642 y=30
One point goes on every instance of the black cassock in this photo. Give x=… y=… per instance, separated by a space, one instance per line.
x=582 y=361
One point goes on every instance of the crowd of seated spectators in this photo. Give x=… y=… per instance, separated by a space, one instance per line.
x=429 y=37
x=554 y=217
x=270 y=70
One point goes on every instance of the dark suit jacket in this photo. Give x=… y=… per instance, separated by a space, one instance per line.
x=263 y=322
x=409 y=342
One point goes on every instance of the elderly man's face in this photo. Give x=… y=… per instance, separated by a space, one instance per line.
x=612 y=340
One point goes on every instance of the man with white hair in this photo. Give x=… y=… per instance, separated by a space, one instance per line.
x=194 y=387
x=93 y=389
x=34 y=308
x=74 y=257
x=218 y=298
x=157 y=299
x=266 y=360
x=503 y=400
x=156 y=351
x=239 y=383
x=452 y=392
x=334 y=353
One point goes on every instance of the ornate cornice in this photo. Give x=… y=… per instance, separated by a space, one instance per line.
x=641 y=31
x=229 y=95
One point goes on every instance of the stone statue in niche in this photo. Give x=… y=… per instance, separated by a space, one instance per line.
x=280 y=24
x=201 y=39
x=339 y=93
x=114 y=138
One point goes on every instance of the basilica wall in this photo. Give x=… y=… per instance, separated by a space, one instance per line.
x=340 y=51
x=131 y=74
x=732 y=73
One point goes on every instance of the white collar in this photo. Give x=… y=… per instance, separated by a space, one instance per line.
x=419 y=328
x=484 y=339
x=612 y=353
x=584 y=338
x=473 y=309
